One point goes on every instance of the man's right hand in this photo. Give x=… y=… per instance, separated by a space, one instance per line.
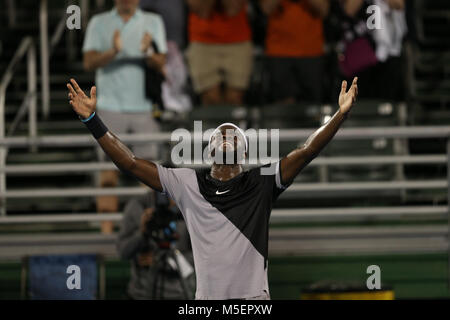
x=117 y=41
x=80 y=102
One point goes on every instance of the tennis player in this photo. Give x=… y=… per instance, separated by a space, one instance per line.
x=226 y=209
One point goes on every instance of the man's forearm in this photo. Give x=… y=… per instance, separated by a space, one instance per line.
x=93 y=60
x=113 y=147
x=119 y=153
x=321 y=137
x=123 y=158
x=295 y=161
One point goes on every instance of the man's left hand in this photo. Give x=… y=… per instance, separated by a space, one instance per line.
x=347 y=98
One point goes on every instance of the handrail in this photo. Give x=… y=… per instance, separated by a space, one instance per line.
x=277 y=215
x=284 y=135
x=84 y=167
x=45 y=58
x=26 y=47
x=295 y=188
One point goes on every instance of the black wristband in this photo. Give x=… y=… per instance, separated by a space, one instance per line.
x=96 y=126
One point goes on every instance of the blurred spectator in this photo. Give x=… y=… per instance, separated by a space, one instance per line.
x=295 y=47
x=135 y=243
x=174 y=91
x=389 y=38
x=117 y=46
x=173 y=13
x=355 y=47
x=220 y=50
x=378 y=62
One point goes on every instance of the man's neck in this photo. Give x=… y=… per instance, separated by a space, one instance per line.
x=126 y=14
x=224 y=172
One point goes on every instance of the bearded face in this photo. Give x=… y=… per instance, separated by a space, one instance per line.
x=228 y=145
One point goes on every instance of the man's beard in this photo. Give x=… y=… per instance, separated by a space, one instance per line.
x=229 y=158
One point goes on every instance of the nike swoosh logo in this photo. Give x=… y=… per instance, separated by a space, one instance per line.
x=217 y=192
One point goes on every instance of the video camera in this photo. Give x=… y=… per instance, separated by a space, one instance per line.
x=160 y=227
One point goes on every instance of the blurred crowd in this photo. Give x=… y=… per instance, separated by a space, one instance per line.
x=268 y=51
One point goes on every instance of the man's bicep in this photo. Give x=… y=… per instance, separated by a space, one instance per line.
x=147 y=173
x=174 y=181
x=271 y=181
x=292 y=164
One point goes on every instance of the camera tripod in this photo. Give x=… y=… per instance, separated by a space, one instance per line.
x=162 y=268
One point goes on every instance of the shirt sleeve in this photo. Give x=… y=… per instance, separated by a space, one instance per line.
x=271 y=175
x=92 y=41
x=173 y=181
x=159 y=34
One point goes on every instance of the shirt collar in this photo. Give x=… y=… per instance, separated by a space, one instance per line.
x=137 y=13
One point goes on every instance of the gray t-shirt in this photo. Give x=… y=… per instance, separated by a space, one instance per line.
x=228 y=223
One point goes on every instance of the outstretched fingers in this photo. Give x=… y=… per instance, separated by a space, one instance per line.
x=77 y=87
x=354 y=89
x=72 y=92
x=355 y=84
x=343 y=87
x=94 y=92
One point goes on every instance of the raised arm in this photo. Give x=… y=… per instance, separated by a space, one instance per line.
x=84 y=106
x=295 y=161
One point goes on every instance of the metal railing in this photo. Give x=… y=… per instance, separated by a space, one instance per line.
x=45 y=58
x=26 y=47
x=83 y=167
x=284 y=135
x=69 y=141
x=277 y=215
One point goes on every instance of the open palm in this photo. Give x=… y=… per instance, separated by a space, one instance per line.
x=348 y=98
x=83 y=105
